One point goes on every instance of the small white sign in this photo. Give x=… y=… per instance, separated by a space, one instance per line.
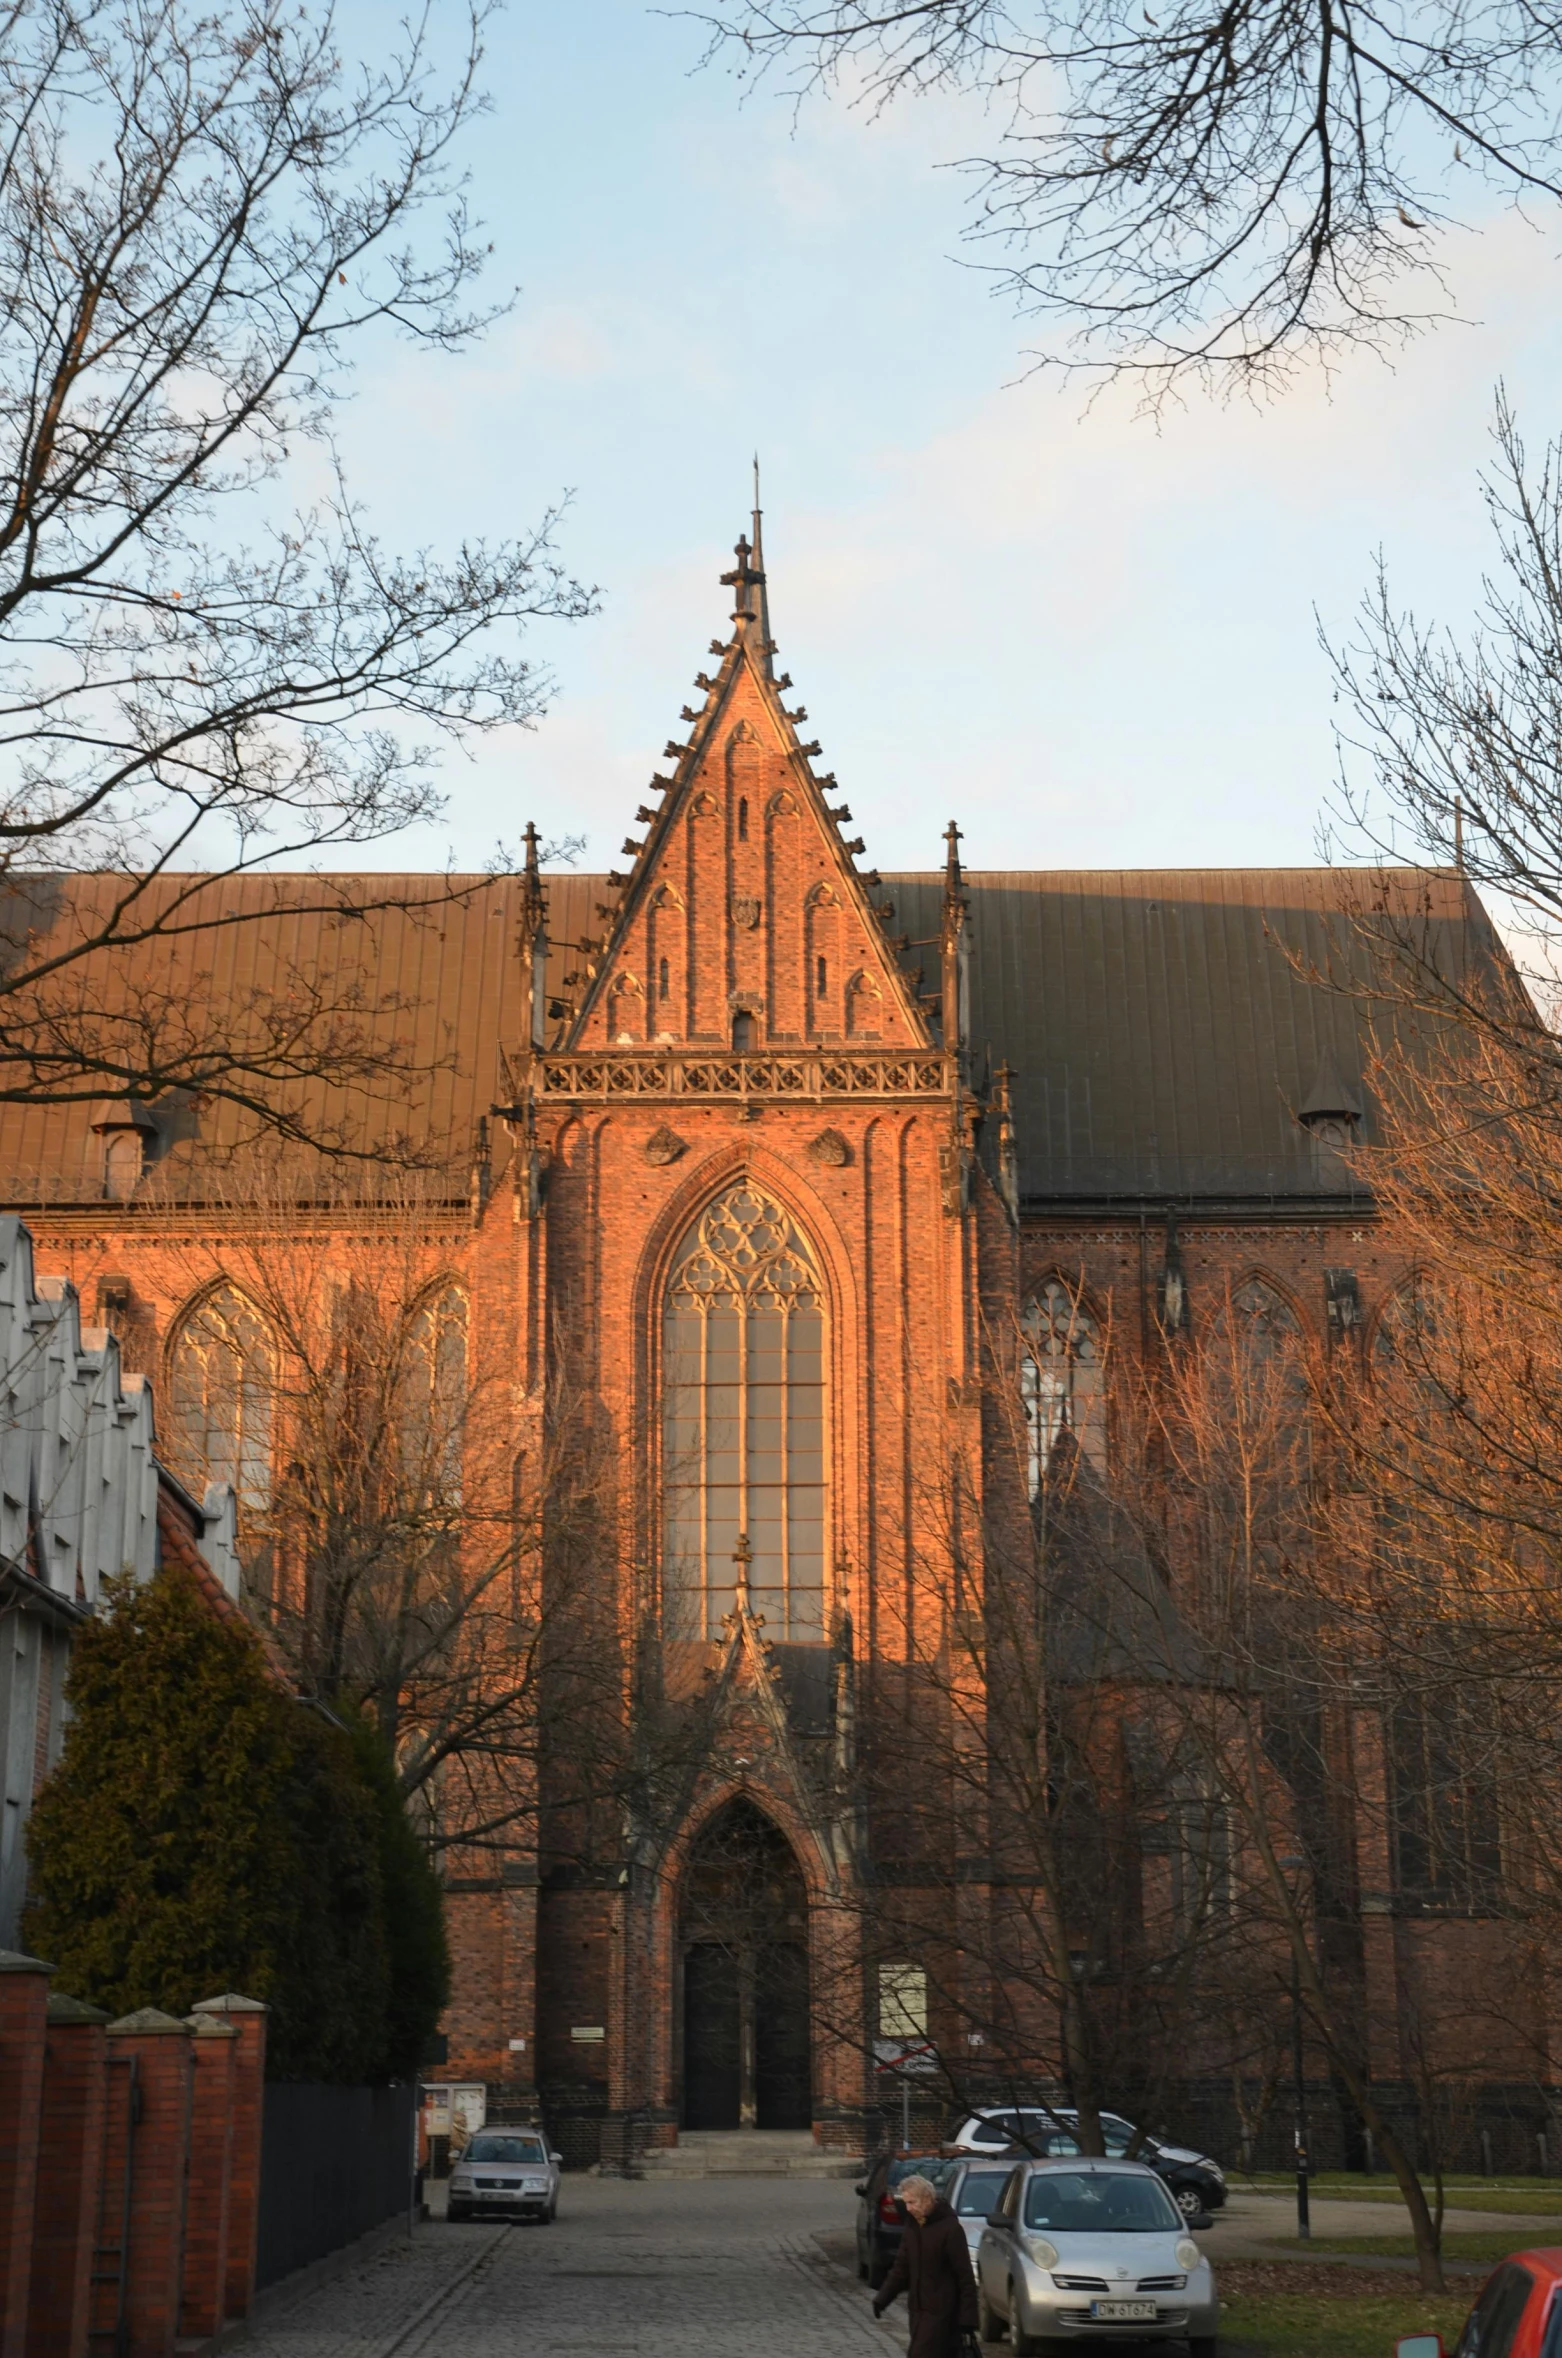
x=517 y=2046
x=908 y=2058
x=588 y=2030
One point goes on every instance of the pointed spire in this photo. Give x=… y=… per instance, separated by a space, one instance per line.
x=952 y=945
x=534 y=943
x=751 y=605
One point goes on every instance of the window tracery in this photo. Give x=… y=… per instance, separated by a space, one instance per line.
x=1266 y=1325
x=1062 y=1386
x=221 y=1393
x=743 y=1335
x=435 y=1393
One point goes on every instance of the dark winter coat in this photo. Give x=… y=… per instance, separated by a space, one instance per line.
x=933 y=2269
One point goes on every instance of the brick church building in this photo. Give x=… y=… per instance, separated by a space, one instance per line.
x=750 y=1148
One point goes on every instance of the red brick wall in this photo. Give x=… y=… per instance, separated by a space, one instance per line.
x=203 y=2292
x=248 y=2018
x=157 y=2184
x=24 y=1997
x=70 y=2170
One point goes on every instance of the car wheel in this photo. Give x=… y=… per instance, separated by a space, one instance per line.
x=1189 y=2201
x=546 y=2218
x=862 y=2266
x=1025 y=2345
x=990 y=2326
x=1203 y=2345
x=455 y=2212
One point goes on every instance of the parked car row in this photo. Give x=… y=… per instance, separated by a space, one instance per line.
x=1058 y=2245
x=1197 y=2184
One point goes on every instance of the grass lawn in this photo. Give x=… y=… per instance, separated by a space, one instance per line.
x=1538 y=2197
x=1324 y=2325
x=1486 y=2247
x=1286 y=2309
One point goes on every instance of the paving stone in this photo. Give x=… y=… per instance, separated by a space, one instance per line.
x=722 y=2268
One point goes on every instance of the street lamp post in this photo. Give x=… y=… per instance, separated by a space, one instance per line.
x=1303 y=2211
x=1304 y=2226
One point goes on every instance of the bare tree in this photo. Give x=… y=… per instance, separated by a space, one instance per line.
x=415 y=1548
x=1198 y=191
x=1051 y=1854
x=204 y=214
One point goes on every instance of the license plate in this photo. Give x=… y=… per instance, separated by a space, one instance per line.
x=1124 y=2312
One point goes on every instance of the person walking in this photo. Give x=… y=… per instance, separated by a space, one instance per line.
x=933 y=2269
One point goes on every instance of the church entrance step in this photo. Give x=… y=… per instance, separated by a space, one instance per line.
x=748 y=2153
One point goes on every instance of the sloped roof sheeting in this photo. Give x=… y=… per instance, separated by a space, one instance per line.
x=1163 y=1027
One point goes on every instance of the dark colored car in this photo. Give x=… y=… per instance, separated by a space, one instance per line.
x=880 y=2220
x=1196 y=2183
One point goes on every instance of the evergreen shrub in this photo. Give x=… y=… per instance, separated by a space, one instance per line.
x=206 y=1830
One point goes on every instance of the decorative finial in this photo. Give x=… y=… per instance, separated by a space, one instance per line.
x=750 y=605
x=742 y=1556
x=952 y=855
x=531 y=849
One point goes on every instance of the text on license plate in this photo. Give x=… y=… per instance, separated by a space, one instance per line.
x=1124 y=2312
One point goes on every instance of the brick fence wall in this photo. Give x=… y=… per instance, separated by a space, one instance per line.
x=130 y=2159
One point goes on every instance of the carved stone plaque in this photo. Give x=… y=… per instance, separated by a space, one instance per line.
x=830 y=1148
x=663 y=1146
x=745 y=912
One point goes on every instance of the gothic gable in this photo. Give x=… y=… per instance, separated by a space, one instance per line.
x=745 y=922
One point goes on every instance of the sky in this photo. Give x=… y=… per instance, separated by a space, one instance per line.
x=1090 y=636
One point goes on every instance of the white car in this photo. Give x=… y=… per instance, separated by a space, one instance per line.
x=503 y=2170
x=1198 y=2184
x=1092 y=2250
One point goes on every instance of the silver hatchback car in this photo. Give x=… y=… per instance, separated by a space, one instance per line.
x=503 y=2170
x=1086 y=2250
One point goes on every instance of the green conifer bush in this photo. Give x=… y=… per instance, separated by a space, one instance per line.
x=207 y=1830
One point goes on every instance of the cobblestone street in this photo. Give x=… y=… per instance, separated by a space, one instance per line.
x=713 y=2268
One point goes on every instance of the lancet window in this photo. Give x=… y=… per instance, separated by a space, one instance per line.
x=221 y=1392
x=1061 y=1380
x=743 y=1335
x=435 y=1385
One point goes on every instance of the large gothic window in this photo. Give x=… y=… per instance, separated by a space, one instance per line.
x=221 y=1389
x=743 y=1420
x=1061 y=1380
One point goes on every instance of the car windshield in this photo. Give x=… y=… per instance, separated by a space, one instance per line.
x=979 y=2192
x=934 y=2167
x=489 y=2148
x=1099 y=2202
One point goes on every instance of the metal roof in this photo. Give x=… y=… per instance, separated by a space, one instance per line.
x=1164 y=1026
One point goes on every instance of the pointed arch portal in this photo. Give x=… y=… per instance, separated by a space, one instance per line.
x=743 y=1941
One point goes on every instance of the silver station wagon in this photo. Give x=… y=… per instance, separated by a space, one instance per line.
x=504 y=2170
x=1086 y=2250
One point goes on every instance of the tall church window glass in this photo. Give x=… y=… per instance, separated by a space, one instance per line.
x=435 y=1396
x=743 y=1336
x=221 y=1391
x=1061 y=1380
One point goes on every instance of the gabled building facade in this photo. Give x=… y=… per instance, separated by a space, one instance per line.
x=763 y=1163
